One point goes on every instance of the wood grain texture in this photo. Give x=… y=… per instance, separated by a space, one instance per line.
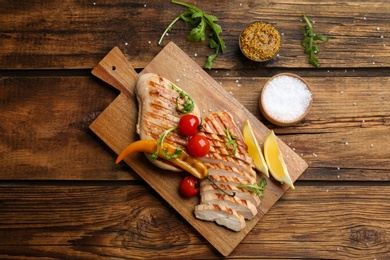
x=132 y=222
x=77 y=34
x=62 y=196
x=116 y=126
x=45 y=136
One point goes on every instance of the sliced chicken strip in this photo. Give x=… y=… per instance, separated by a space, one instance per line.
x=221 y=215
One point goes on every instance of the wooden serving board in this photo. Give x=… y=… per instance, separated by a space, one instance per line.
x=116 y=127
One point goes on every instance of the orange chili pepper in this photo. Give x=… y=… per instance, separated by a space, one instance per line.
x=185 y=161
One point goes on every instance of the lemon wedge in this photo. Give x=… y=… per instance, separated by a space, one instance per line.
x=254 y=149
x=275 y=161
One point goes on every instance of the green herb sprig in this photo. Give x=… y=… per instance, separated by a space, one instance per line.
x=231 y=140
x=188 y=103
x=201 y=21
x=256 y=187
x=160 y=142
x=309 y=42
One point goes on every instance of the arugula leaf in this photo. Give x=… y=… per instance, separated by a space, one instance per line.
x=198 y=33
x=256 y=187
x=232 y=140
x=188 y=103
x=309 y=42
x=160 y=142
x=201 y=21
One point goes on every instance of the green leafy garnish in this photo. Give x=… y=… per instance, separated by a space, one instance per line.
x=309 y=42
x=232 y=140
x=188 y=103
x=201 y=21
x=256 y=187
x=160 y=142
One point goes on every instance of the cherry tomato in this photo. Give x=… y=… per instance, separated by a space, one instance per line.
x=189 y=186
x=198 y=146
x=189 y=125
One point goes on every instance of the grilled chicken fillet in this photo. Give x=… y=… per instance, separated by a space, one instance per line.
x=157 y=112
x=229 y=166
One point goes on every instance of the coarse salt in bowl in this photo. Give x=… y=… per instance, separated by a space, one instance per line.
x=285 y=99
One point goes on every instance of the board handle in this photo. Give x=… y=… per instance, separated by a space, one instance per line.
x=117 y=71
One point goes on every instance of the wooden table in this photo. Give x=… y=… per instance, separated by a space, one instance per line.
x=62 y=196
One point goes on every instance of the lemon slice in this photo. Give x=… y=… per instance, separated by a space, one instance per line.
x=275 y=161
x=254 y=148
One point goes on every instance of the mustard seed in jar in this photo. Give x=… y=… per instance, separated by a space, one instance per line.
x=260 y=41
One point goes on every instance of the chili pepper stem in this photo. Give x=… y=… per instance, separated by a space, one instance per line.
x=224 y=191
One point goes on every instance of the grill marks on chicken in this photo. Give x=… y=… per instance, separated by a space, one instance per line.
x=229 y=171
x=157 y=113
x=228 y=166
x=222 y=215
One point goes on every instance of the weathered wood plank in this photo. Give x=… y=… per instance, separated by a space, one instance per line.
x=44 y=128
x=79 y=222
x=78 y=34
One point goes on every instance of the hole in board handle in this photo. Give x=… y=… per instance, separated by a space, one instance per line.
x=113 y=68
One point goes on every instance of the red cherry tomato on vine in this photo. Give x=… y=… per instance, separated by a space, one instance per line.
x=189 y=125
x=189 y=186
x=198 y=146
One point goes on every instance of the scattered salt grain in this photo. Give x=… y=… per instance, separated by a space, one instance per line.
x=346 y=143
x=377 y=28
x=371 y=145
x=286 y=98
